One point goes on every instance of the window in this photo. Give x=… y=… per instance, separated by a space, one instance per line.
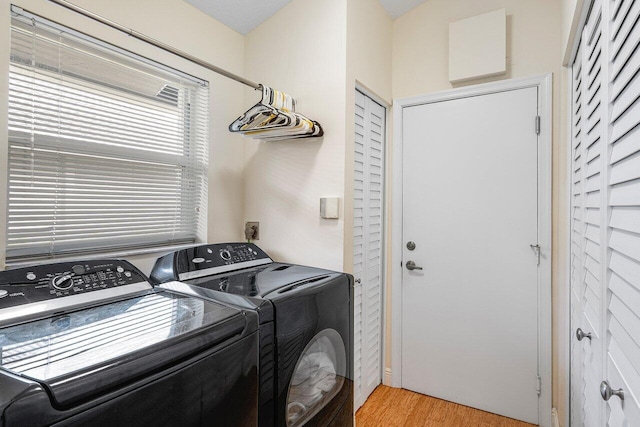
x=107 y=150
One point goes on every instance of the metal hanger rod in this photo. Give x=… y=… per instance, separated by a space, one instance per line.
x=155 y=43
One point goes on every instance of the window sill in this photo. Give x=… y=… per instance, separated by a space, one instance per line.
x=158 y=251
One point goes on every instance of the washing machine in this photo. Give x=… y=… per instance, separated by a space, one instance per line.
x=306 y=326
x=93 y=344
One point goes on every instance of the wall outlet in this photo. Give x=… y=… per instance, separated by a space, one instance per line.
x=252 y=230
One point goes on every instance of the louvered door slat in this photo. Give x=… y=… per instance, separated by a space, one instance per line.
x=625 y=147
x=626 y=170
x=623 y=26
x=624 y=99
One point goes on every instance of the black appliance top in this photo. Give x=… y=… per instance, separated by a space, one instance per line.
x=71 y=342
x=78 y=351
x=234 y=268
x=38 y=291
x=262 y=281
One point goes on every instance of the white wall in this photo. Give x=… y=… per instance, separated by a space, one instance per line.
x=300 y=50
x=369 y=47
x=570 y=10
x=334 y=46
x=176 y=23
x=534 y=46
x=420 y=43
x=369 y=53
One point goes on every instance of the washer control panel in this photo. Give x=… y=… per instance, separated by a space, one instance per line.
x=40 y=283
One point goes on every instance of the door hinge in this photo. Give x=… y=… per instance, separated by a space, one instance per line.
x=537 y=125
x=539 y=385
x=536 y=249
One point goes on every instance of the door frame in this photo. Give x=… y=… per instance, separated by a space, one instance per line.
x=544 y=84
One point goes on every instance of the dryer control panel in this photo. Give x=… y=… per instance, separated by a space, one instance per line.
x=60 y=281
x=208 y=260
x=220 y=258
x=220 y=254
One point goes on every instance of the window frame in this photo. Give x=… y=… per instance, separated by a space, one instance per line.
x=197 y=168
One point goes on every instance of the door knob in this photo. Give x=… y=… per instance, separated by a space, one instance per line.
x=580 y=334
x=606 y=391
x=412 y=266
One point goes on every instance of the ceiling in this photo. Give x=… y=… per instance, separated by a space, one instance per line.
x=245 y=15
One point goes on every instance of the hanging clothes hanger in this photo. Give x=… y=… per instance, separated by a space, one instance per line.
x=274 y=118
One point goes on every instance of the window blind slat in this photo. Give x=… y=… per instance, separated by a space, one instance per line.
x=106 y=151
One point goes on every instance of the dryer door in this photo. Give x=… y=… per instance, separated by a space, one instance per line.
x=319 y=375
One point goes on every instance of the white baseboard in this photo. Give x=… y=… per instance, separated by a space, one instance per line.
x=387 y=377
x=554 y=417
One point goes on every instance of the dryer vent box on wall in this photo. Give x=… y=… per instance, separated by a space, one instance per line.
x=478 y=46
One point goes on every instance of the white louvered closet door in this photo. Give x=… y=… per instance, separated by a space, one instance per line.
x=593 y=143
x=623 y=309
x=577 y=208
x=605 y=244
x=368 y=233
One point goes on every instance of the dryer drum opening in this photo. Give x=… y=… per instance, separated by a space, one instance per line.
x=318 y=376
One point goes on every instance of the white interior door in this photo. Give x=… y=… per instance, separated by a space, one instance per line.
x=368 y=233
x=470 y=316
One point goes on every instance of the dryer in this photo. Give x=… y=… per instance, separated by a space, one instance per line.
x=93 y=344
x=306 y=326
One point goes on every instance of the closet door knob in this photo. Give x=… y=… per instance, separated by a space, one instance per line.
x=606 y=391
x=580 y=334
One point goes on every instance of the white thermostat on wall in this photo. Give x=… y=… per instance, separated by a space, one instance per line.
x=329 y=207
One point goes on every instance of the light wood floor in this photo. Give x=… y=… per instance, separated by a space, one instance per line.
x=391 y=407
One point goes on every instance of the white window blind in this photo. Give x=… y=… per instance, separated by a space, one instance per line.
x=107 y=151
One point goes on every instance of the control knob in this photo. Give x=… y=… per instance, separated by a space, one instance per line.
x=225 y=254
x=62 y=282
